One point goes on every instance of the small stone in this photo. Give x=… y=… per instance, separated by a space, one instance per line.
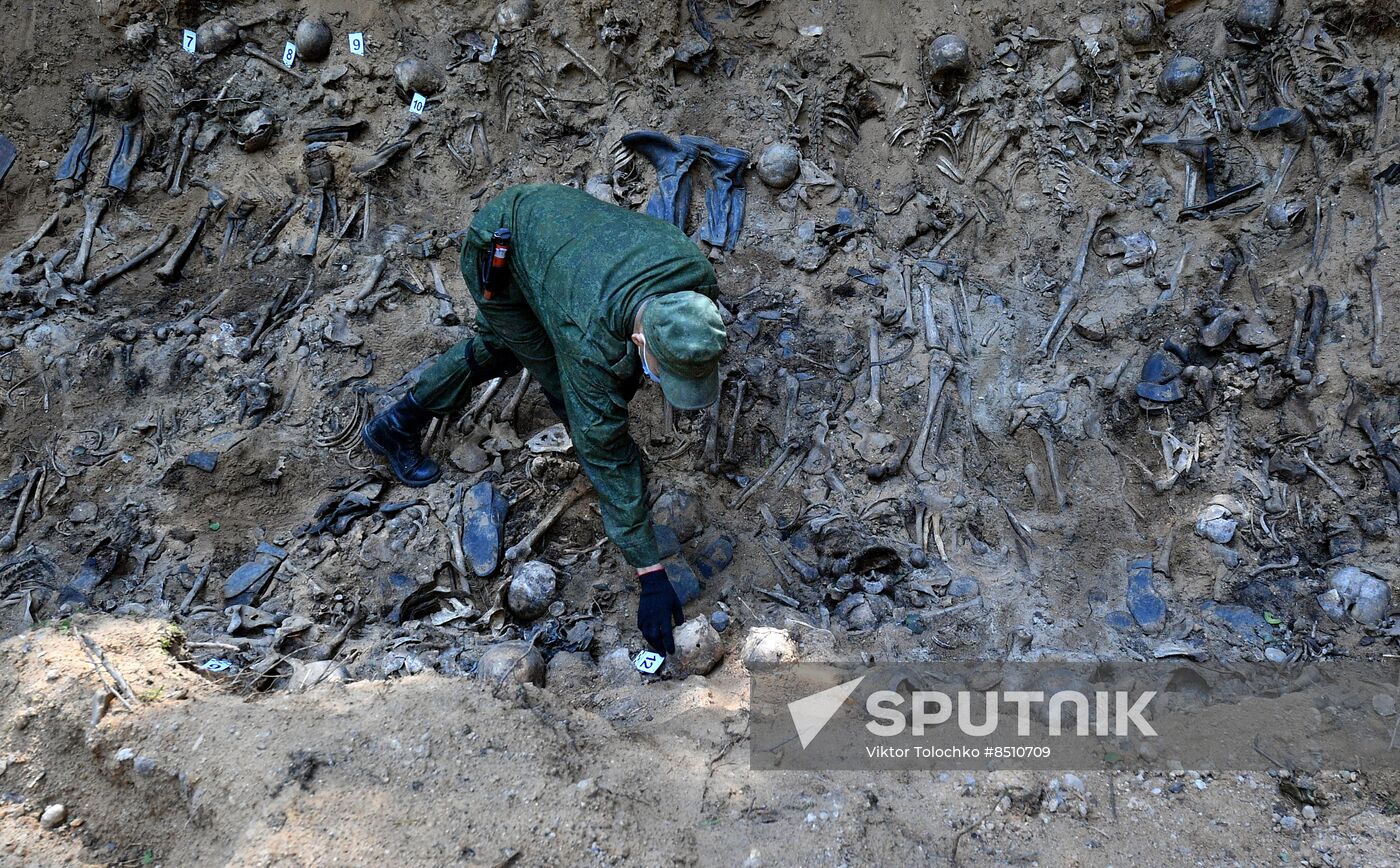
x=1074 y=782
x=963 y=588
x=1309 y=812
x=53 y=816
x=82 y=512
x=516 y=661
x=315 y=673
x=144 y=765
x=1070 y=87
x=1276 y=655
x=532 y=586
x=698 y=647
x=617 y=667
x=1288 y=823
x=720 y=621
x=767 y=648
x=1384 y=704
x=125 y=755
x=779 y=165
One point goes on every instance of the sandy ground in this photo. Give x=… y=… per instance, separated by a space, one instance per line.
x=109 y=394
x=432 y=770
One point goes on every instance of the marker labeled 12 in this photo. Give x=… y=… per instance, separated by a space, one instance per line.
x=648 y=662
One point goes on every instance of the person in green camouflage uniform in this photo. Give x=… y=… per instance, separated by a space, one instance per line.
x=597 y=296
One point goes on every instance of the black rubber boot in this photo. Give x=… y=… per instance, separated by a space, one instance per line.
x=726 y=197
x=394 y=434
x=671 y=201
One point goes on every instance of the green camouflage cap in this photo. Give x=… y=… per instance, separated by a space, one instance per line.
x=686 y=335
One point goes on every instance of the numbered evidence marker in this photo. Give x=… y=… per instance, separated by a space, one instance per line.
x=289 y=55
x=418 y=103
x=187 y=41
x=357 y=44
x=648 y=662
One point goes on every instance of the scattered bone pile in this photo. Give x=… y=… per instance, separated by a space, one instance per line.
x=1050 y=337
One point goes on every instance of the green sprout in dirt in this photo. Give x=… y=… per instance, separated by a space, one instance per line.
x=172 y=639
x=151 y=695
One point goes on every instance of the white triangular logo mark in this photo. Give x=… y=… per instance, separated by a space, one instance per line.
x=811 y=713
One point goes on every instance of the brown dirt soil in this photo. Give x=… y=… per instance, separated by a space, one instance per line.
x=429 y=770
x=109 y=393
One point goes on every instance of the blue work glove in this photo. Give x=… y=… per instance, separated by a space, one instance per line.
x=658 y=610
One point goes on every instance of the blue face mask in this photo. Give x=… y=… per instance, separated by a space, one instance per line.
x=646 y=369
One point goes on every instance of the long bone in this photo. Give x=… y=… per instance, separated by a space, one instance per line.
x=938 y=372
x=526 y=546
x=121 y=268
x=1069 y=294
x=170 y=271
x=93 y=209
x=1047 y=436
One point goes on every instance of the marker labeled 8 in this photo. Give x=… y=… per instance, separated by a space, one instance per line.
x=289 y=54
